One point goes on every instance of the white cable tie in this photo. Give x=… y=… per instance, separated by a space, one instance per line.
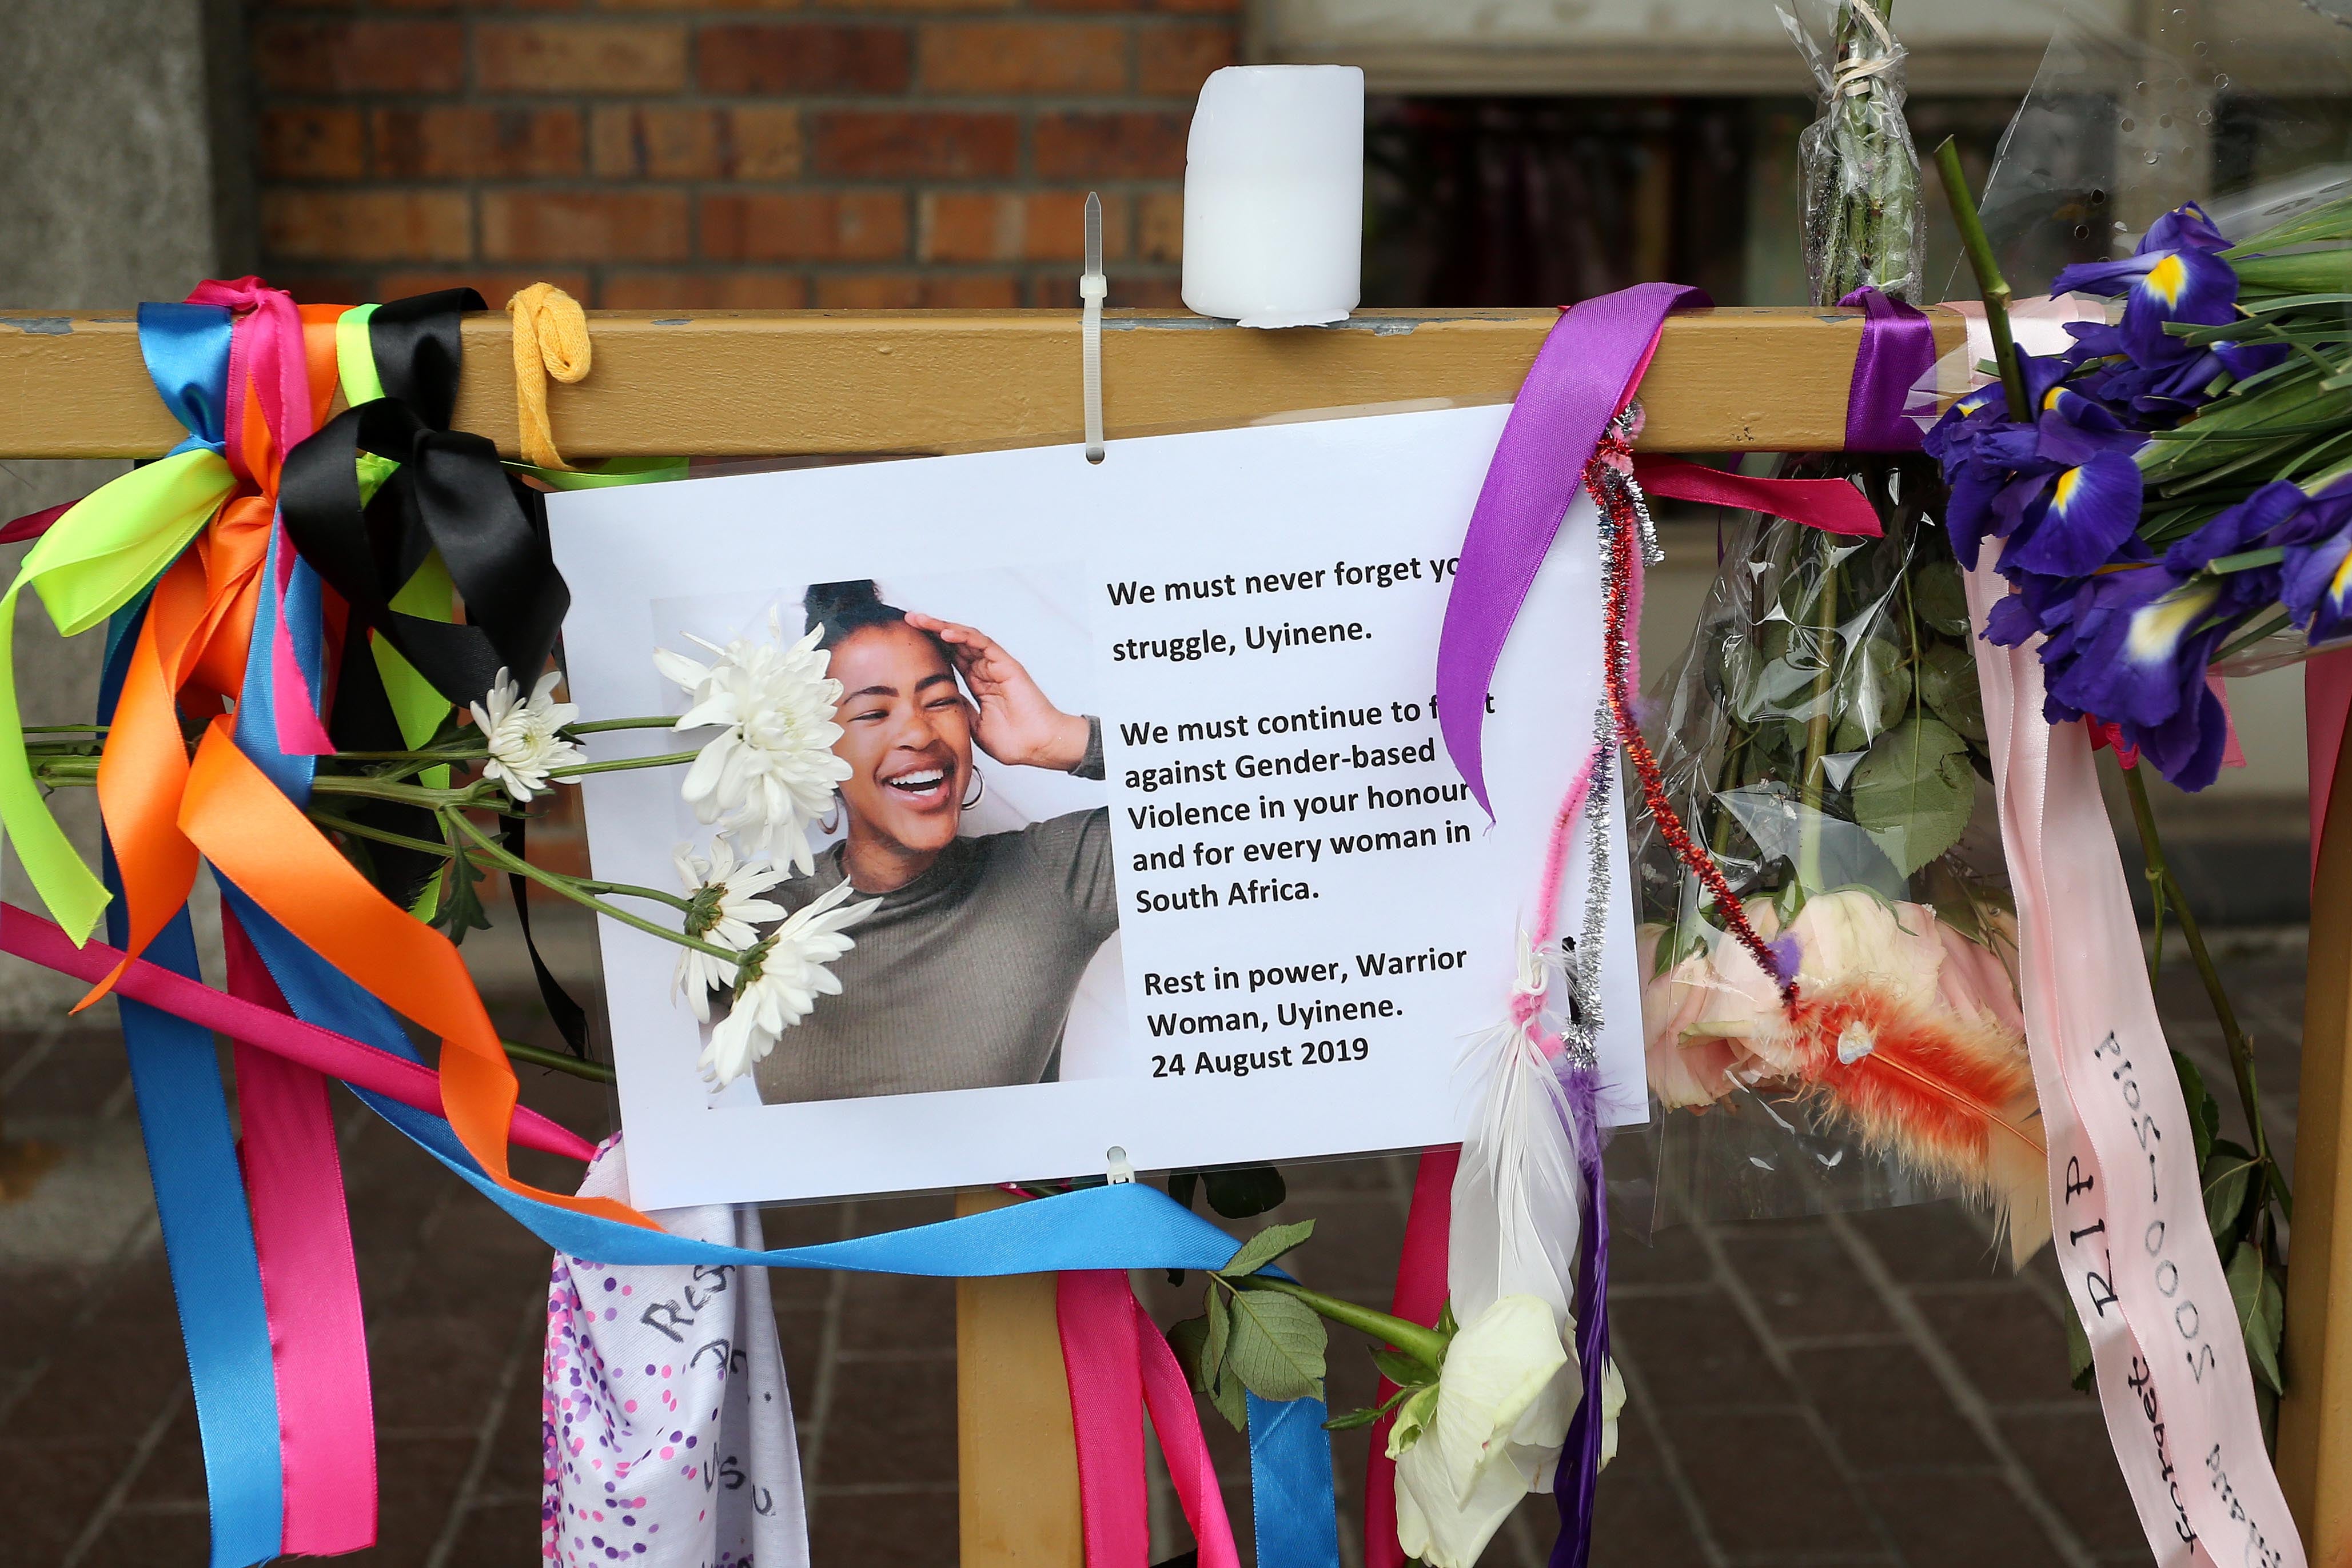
x=1121 y=1171
x=1092 y=288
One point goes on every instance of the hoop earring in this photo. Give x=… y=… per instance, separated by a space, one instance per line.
x=977 y=795
x=832 y=826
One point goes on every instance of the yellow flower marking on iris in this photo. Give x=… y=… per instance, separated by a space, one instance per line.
x=2166 y=279
x=2157 y=628
x=2050 y=398
x=2067 y=482
x=2341 y=582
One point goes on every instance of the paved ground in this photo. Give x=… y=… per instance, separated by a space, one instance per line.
x=1864 y=1390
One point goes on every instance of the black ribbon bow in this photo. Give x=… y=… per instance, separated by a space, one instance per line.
x=450 y=493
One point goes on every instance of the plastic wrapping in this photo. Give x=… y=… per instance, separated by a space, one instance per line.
x=1864 y=222
x=1823 y=740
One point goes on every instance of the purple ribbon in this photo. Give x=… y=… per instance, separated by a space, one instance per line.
x=1586 y=370
x=1578 y=1474
x=1898 y=348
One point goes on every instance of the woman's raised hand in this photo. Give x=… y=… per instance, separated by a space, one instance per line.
x=1019 y=726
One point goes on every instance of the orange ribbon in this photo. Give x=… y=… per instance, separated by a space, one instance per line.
x=261 y=842
x=191 y=654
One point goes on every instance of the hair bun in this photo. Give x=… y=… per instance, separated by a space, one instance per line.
x=833 y=601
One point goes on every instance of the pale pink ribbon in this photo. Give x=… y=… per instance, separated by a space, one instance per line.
x=1119 y=1365
x=2126 y=1200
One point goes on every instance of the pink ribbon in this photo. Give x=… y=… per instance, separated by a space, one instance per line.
x=1833 y=506
x=2125 y=1198
x=310 y=1282
x=357 y=1063
x=267 y=360
x=2327 y=703
x=1119 y=1365
x=1419 y=1297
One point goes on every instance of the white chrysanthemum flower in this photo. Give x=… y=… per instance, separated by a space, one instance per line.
x=522 y=733
x=728 y=911
x=771 y=771
x=779 y=982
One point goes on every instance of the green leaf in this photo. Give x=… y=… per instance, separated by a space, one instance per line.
x=1277 y=1346
x=1265 y=1247
x=461 y=904
x=2204 y=1115
x=1400 y=1369
x=1231 y=1401
x=2080 y=1370
x=2226 y=1180
x=1914 y=793
x=1872 y=692
x=1189 y=1338
x=1219 y=1336
x=1245 y=1193
x=1352 y=1420
x=1948 y=685
x=1939 y=598
x=2261 y=1312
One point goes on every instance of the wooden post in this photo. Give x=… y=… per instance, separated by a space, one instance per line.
x=1016 y=1464
x=2314 y=1455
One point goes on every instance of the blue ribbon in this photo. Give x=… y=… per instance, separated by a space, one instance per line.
x=207 y=1231
x=175 y=1077
x=1129 y=1226
x=186 y=351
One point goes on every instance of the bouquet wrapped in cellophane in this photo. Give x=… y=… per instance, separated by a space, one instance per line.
x=1830 y=1004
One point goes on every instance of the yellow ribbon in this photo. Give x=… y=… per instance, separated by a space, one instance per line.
x=93 y=560
x=551 y=339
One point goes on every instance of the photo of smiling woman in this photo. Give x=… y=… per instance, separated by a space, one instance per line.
x=963 y=977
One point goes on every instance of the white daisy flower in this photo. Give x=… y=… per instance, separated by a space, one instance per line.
x=780 y=982
x=771 y=771
x=728 y=911
x=521 y=734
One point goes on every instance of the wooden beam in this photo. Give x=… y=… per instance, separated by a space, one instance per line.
x=2314 y=1431
x=759 y=384
x=1016 y=1460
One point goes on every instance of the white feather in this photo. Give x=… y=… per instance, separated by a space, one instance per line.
x=1516 y=1215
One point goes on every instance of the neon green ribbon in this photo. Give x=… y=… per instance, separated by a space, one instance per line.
x=93 y=560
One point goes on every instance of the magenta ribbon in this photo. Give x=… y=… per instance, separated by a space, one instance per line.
x=28 y=936
x=1898 y=348
x=309 y=1280
x=1585 y=372
x=1119 y=1365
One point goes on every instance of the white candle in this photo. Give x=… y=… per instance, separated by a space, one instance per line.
x=1274 y=195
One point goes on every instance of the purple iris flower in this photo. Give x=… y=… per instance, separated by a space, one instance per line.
x=2316 y=582
x=1986 y=456
x=2176 y=275
x=2076 y=528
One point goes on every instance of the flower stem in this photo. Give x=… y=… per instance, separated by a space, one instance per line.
x=595 y=726
x=631 y=890
x=619 y=765
x=2241 y=1050
x=1425 y=1345
x=1813 y=777
x=398 y=840
x=1990 y=284
x=495 y=853
x=594 y=1071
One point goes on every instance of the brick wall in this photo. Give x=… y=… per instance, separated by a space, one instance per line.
x=757 y=154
